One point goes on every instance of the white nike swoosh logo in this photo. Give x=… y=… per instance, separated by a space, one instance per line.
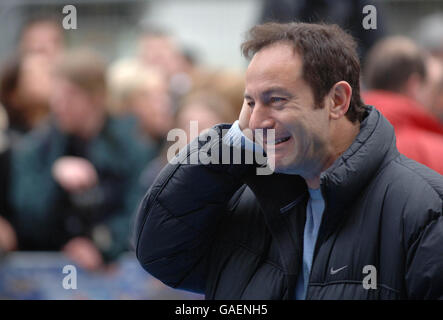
x=338 y=270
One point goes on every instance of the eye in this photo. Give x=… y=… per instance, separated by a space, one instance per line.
x=276 y=99
x=250 y=103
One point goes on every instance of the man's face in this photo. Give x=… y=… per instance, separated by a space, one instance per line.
x=43 y=37
x=195 y=111
x=152 y=106
x=280 y=99
x=71 y=106
x=35 y=80
x=162 y=52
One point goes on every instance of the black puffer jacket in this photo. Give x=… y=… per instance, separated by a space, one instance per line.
x=226 y=232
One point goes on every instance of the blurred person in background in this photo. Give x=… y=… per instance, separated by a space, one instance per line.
x=433 y=93
x=142 y=92
x=429 y=35
x=156 y=48
x=402 y=84
x=25 y=86
x=42 y=33
x=160 y=49
x=348 y=14
x=207 y=109
x=227 y=83
x=8 y=238
x=26 y=76
x=72 y=180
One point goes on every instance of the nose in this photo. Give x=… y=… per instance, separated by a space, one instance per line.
x=261 y=118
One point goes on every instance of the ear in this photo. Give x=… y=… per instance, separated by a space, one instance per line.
x=340 y=98
x=414 y=86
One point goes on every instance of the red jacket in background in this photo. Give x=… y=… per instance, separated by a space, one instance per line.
x=419 y=134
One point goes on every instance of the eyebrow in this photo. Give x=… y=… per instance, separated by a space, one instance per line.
x=271 y=91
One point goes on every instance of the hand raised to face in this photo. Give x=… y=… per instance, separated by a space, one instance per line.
x=74 y=174
x=243 y=120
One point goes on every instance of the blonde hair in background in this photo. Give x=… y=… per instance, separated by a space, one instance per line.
x=126 y=77
x=85 y=68
x=210 y=100
x=227 y=83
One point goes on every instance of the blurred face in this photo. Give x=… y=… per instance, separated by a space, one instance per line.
x=196 y=112
x=280 y=99
x=42 y=37
x=431 y=94
x=72 y=107
x=162 y=52
x=35 y=79
x=152 y=106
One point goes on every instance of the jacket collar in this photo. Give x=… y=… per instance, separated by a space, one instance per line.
x=341 y=183
x=345 y=178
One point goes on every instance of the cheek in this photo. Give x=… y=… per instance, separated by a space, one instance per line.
x=300 y=133
x=80 y=109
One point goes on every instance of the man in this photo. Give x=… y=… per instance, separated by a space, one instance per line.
x=345 y=217
x=404 y=85
x=72 y=180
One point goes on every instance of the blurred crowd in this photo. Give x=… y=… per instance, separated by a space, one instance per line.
x=82 y=139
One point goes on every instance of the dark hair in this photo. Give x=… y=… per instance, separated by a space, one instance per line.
x=329 y=55
x=22 y=115
x=9 y=82
x=9 y=77
x=391 y=62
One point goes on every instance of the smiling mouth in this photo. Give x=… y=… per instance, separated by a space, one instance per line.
x=278 y=141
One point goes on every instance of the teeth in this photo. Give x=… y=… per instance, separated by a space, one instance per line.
x=280 y=140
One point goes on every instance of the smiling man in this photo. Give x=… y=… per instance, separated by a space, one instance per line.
x=306 y=140
x=344 y=215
